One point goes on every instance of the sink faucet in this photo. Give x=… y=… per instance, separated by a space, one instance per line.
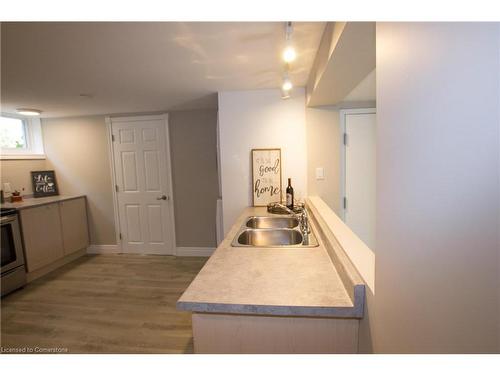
x=302 y=217
x=304 y=222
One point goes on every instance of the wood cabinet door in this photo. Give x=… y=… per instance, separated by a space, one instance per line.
x=75 y=230
x=42 y=235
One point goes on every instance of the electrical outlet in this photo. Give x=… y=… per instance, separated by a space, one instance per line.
x=320 y=173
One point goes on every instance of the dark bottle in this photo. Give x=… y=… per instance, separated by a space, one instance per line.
x=289 y=195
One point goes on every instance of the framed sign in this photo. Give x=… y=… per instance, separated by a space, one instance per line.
x=44 y=183
x=266 y=176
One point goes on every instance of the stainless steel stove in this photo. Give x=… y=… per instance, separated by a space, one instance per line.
x=13 y=273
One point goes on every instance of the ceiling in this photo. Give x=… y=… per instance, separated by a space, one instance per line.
x=346 y=57
x=75 y=69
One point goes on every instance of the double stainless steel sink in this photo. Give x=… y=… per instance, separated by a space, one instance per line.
x=268 y=231
x=268 y=222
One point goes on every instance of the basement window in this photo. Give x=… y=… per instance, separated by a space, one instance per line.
x=20 y=137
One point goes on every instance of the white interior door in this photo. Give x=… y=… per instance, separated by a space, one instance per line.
x=360 y=153
x=142 y=168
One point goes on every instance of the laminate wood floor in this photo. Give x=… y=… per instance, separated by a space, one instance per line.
x=104 y=304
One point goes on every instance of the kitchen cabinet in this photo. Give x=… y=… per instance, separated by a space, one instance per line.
x=42 y=235
x=52 y=232
x=75 y=233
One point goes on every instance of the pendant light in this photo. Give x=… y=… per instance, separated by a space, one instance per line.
x=288 y=56
x=289 y=53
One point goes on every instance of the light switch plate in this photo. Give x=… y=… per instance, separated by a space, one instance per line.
x=320 y=173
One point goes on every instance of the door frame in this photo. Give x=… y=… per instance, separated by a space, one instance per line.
x=109 y=135
x=343 y=114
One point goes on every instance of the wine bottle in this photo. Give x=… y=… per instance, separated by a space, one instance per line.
x=289 y=195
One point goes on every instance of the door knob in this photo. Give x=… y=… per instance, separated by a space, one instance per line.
x=162 y=198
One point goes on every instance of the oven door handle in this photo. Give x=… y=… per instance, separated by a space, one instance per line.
x=7 y=219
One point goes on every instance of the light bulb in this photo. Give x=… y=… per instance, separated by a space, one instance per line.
x=285 y=94
x=287 y=85
x=289 y=54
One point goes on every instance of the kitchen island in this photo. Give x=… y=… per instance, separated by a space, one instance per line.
x=276 y=300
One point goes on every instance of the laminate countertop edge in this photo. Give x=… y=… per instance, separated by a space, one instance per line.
x=35 y=202
x=248 y=309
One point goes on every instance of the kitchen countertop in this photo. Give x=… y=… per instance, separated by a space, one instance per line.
x=269 y=281
x=33 y=202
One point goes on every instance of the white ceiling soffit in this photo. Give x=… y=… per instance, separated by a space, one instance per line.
x=75 y=69
x=346 y=56
x=365 y=91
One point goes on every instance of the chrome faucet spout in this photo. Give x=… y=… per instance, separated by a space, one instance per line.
x=280 y=205
x=302 y=217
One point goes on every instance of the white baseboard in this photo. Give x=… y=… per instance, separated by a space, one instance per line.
x=194 y=251
x=104 y=249
x=180 y=251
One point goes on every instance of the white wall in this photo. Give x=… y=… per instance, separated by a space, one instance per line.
x=17 y=173
x=323 y=150
x=437 y=190
x=259 y=119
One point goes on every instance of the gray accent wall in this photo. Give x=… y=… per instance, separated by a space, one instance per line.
x=193 y=148
x=77 y=149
